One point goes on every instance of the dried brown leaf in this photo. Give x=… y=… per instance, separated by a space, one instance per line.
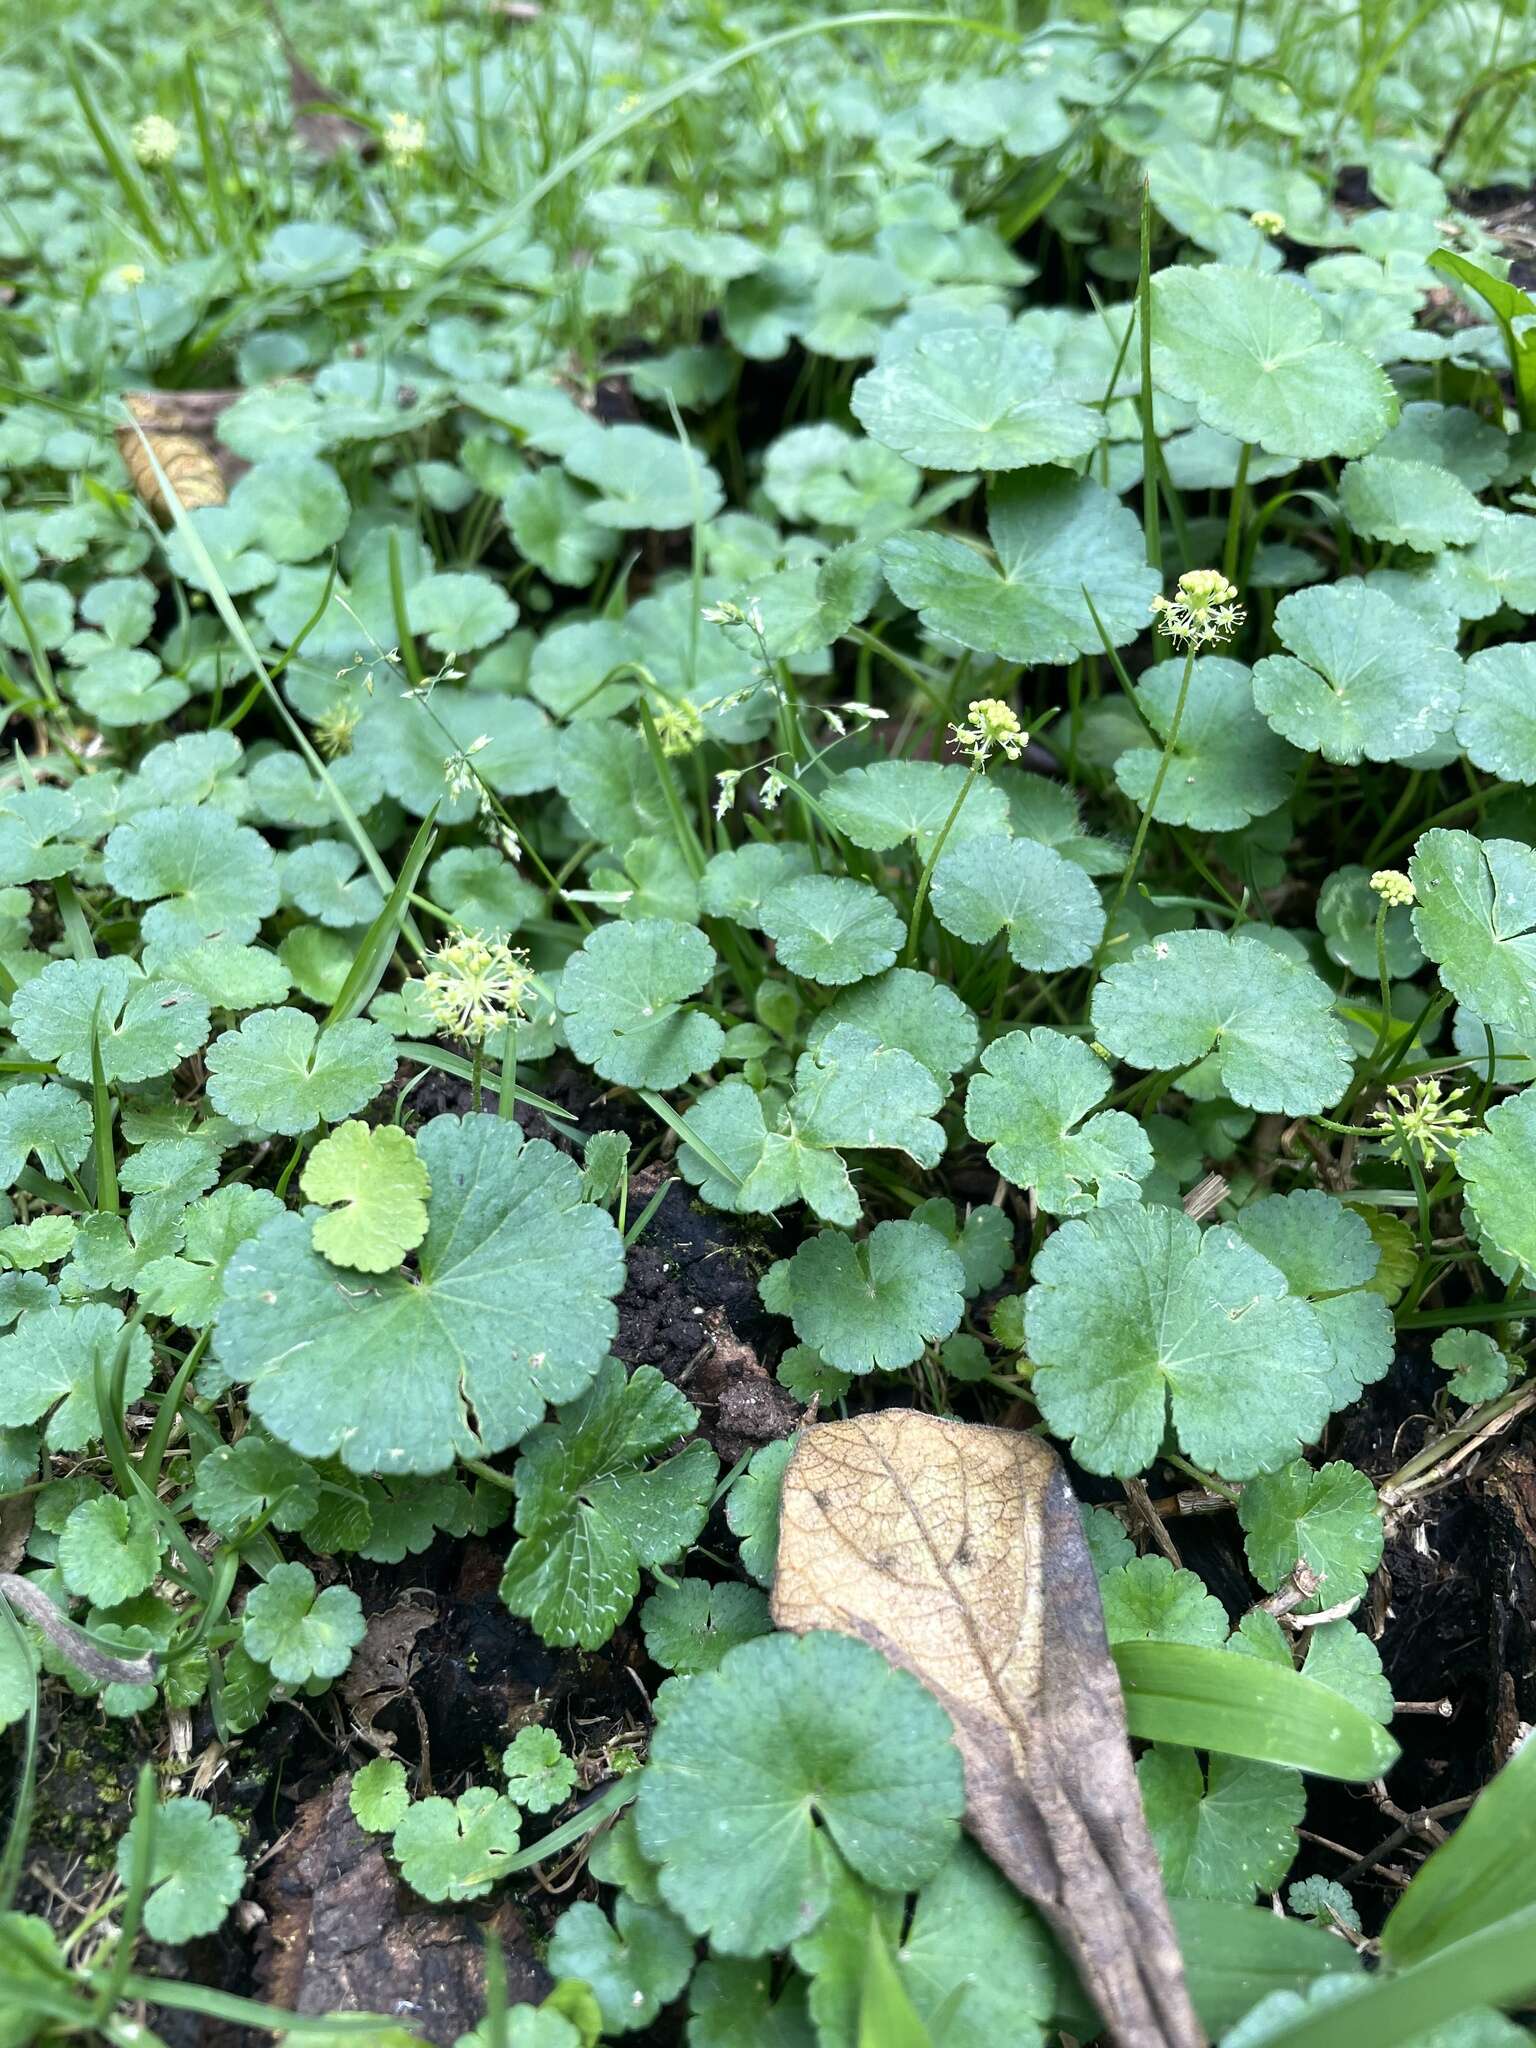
x=958 y=1552
x=177 y=425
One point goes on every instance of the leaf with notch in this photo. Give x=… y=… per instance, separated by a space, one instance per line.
x=378 y=1187
x=48 y=1367
x=969 y=397
x=510 y=1307
x=624 y=997
x=1049 y=908
x=831 y=929
x=203 y=875
x=1136 y=1317
x=299 y=1633
x=1054 y=537
x=1268 y=1020
x=1364 y=678
x=145 y=1026
x=1476 y=919
x=1031 y=1107
x=280 y=1073
x=195 y=1870
x=871 y=1303
x=592 y=1508
x=1249 y=351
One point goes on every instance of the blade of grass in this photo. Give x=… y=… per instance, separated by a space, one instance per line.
x=659 y=1106
x=108 y=1200
x=378 y=947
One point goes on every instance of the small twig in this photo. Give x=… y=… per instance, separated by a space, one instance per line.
x=1205 y=1197
x=1442 y=1708
x=1137 y=1494
x=1421 y=1822
x=1301 y=1585
x=72 y=1642
x=1336 y=1613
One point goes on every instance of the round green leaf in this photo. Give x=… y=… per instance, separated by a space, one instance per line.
x=1329 y=1520
x=300 y=1634
x=1248 y=350
x=1054 y=537
x=831 y=929
x=1031 y=1108
x=1227 y=768
x=1267 y=1019
x=644 y=478
x=873 y=1302
x=293 y=506
x=279 y=1072
x=1135 y=1316
x=204 y=875
x=1411 y=504
x=974 y=398
x=789 y=1732
x=458 y=612
x=623 y=998
x=1496 y=726
x=195 y=1871
x=376 y=1189
x=510 y=1307
x=1347 y=908
x=1049 y=908
x=1476 y=919
x=1371 y=682
x=145 y=1027
x=1496 y=1165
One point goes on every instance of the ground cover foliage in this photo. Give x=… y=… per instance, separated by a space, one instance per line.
x=898 y=645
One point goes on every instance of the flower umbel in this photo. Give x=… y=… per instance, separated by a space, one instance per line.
x=334 y=729
x=678 y=727
x=1202 y=612
x=155 y=141
x=474 y=985
x=1266 y=222
x=989 y=726
x=1394 y=888
x=404 y=138
x=1427 y=1120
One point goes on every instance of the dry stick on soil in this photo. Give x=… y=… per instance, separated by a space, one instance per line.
x=958 y=1552
x=72 y=1642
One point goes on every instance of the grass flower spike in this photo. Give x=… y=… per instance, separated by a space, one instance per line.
x=1203 y=612
x=474 y=986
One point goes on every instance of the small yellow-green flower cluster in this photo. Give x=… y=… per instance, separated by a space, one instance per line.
x=474 y=985
x=989 y=726
x=404 y=138
x=155 y=141
x=1203 y=611
x=334 y=729
x=1266 y=222
x=127 y=277
x=679 y=727
x=1427 y=1120
x=1394 y=888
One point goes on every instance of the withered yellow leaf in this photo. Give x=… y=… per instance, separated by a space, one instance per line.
x=190 y=466
x=958 y=1552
